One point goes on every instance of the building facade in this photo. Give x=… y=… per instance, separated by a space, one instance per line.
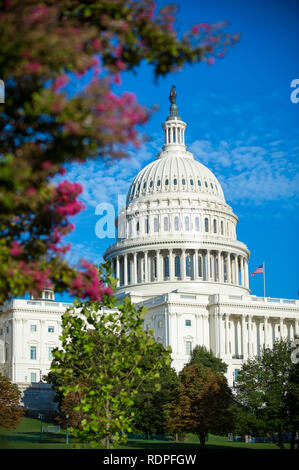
x=177 y=253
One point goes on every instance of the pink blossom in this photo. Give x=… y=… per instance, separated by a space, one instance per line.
x=16 y=249
x=60 y=82
x=30 y=191
x=62 y=171
x=117 y=79
x=33 y=66
x=195 y=29
x=97 y=44
x=39 y=12
x=47 y=165
x=211 y=60
x=118 y=50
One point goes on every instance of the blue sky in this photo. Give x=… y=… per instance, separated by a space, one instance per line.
x=241 y=123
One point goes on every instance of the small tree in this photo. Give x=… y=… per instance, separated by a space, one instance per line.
x=201 y=357
x=267 y=391
x=11 y=412
x=101 y=360
x=149 y=405
x=203 y=405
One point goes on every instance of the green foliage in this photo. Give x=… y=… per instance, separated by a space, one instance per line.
x=203 y=358
x=150 y=402
x=11 y=412
x=106 y=356
x=267 y=392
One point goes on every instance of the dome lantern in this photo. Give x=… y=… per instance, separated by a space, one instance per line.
x=174 y=127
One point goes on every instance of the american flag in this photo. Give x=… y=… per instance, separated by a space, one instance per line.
x=258 y=270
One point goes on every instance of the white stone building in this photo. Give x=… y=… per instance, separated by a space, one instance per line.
x=177 y=253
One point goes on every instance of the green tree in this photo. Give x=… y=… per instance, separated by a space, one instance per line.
x=203 y=403
x=267 y=392
x=201 y=357
x=45 y=46
x=103 y=350
x=150 y=402
x=11 y=412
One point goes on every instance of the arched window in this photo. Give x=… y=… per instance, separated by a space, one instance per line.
x=166 y=266
x=156 y=224
x=191 y=182
x=187 y=223
x=158 y=182
x=176 y=223
x=169 y=135
x=177 y=266
x=206 y=224
x=173 y=131
x=175 y=181
x=146 y=225
x=215 y=225
x=197 y=224
x=221 y=227
x=199 y=182
x=166 y=182
x=166 y=224
x=183 y=181
x=188 y=266
x=137 y=227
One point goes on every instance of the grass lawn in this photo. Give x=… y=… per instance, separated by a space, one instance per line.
x=27 y=436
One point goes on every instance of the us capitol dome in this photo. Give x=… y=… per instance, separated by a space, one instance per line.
x=177 y=231
x=177 y=254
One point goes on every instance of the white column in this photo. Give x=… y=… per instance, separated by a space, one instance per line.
x=265 y=332
x=208 y=265
x=159 y=277
x=146 y=266
x=125 y=269
x=249 y=335
x=228 y=268
x=219 y=267
x=195 y=264
x=237 y=270
x=258 y=338
x=135 y=268
x=296 y=327
x=226 y=333
x=171 y=265
x=183 y=264
x=243 y=327
x=221 y=345
x=281 y=327
x=117 y=270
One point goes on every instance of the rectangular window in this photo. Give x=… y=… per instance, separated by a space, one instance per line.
x=7 y=329
x=50 y=354
x=188 y=347
x=156 y=224
x=160 y=324
x=33 y=377
x=50 y=329
x=32 y=352
x=187 y=322
x=32 y=327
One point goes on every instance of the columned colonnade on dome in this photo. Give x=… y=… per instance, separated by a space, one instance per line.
x=181 y=264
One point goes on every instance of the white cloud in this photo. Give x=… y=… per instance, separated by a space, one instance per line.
x=252 y=173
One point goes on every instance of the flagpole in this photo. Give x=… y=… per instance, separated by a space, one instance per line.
x=264 y=278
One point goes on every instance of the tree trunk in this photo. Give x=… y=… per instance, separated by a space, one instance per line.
x=277 y=443
x=202 y=438
x=176 y=437
x=107 y=442
x=293 y=437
